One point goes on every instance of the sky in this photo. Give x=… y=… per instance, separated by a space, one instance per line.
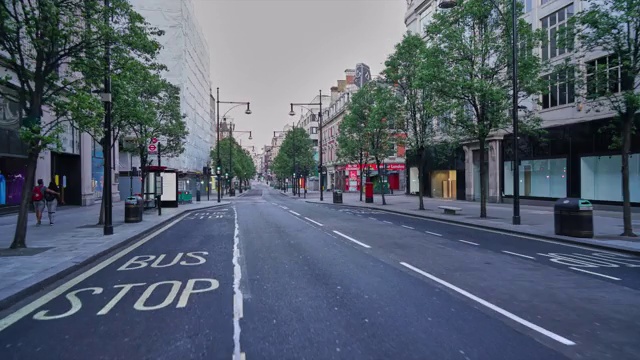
x=275 y=52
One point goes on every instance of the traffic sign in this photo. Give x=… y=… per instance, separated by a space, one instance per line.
x=152 y=148
x=154 y=140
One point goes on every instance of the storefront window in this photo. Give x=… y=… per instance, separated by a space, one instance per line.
x=13 y=172
x=443 y=184
x=545 y=178
x=97 y=170
x=601 y=179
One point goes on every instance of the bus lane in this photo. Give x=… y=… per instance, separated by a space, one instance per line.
x=171 y=297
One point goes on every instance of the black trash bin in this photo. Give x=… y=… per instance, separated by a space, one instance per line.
x=133 y=209
x=232 y=192
x=337 y=197
x=573 y=217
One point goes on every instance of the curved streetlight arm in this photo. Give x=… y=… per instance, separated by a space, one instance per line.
x=233 y=107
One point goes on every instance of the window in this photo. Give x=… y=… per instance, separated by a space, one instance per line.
x=552 y=25
x=527 y=4
x=603 y=75
x=561 y=89
x=600 y=177
x=424 y=20
x=314 y=130
x=538 y=178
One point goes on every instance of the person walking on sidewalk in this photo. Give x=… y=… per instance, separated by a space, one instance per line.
x=37 y=197
x=51 y=195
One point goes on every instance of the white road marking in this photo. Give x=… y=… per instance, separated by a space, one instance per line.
x=468 y=242
x=238 y=306
x=284 y=207
x=372 y=218
x=408 y=227
x=209 y=217
x=491 y=306
x=595 y=273
x=294 y=213
x=352 y=239
x=201 y=217
x=41 y=301
x=432 y=233
x=388 y=222
x=313 y=221
x=516 y=254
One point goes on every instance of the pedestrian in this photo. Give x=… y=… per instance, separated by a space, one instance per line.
x=51 y=195
x=37 y=197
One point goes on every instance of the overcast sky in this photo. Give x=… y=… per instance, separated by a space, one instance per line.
x=274 y=52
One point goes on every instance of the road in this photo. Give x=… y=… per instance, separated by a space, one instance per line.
x=270 y=277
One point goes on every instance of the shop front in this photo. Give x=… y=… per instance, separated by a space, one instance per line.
x=572 y=161
x=393 y=175
x=13 y=156
x=444 y=174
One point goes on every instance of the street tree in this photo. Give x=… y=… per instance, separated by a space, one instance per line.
x=236 y=161
x=295 y=155
x=611 y=28
x=414 y=71
x=471 y=43
x=351 y=138
x=39 y=43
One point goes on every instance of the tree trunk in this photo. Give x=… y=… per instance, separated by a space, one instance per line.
x=483 y=180
x=421 y=164
x=627 y=127
x=20 y=235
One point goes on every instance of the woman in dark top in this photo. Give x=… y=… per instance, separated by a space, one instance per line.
x=51 y=195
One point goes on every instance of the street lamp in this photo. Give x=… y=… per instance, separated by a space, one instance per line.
x=293 y=113
x=447 y=4
x=106 y=144
x=236 y=104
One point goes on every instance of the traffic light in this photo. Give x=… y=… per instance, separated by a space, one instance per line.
x=204 y=170
x=218 y=169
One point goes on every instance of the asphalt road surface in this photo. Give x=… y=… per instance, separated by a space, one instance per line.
x=270 y=277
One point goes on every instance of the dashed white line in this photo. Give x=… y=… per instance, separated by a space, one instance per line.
x=352 y=239
x=294 y=213
x=388 y=222
x=595 y=273
x=516 y=254
x=408 y=227
x=372 y=218
x=491 y=306
x=432 y=233
x=284 y=207
x=469 y=242
x=313 y=221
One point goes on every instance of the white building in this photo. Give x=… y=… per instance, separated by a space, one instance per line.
x=574 y=161
x=186 y=54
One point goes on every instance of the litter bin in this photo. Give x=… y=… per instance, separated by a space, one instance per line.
x=232 y=192
x=133 y=209
x=573 y=217
x=337 y=197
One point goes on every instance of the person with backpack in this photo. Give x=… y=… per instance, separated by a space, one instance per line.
x=37 y=197
x=51 y=195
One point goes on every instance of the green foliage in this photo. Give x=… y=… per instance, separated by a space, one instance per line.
x=243 y=166
x=295 y=155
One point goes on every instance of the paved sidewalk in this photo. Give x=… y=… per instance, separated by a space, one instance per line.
x=74 y=239
x=536 y=220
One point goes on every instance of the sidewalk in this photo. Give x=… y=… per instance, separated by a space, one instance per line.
x=74 y=240
x=536 y=220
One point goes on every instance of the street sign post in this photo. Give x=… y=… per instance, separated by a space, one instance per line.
x=152 y=148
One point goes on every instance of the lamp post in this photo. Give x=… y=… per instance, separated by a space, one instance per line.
x=218 y=102
x=447 y=4
x=106 y=144
x=320 y=168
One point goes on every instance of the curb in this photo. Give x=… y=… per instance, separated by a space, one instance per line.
x=41 y=284
x=491 y=228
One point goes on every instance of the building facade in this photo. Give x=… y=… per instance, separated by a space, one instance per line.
x=186 y=54
x=573 y=158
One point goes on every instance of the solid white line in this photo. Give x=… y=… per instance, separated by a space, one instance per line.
x=313 y=221
x=238 y=307
x=408 y=227
x=352 y=239
x=468 y=242
x=432 y=233
x=495 y=308
x=388 y=222
x=595 y=273
x=516 y=254
x=43 y=300
x=294 y=213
